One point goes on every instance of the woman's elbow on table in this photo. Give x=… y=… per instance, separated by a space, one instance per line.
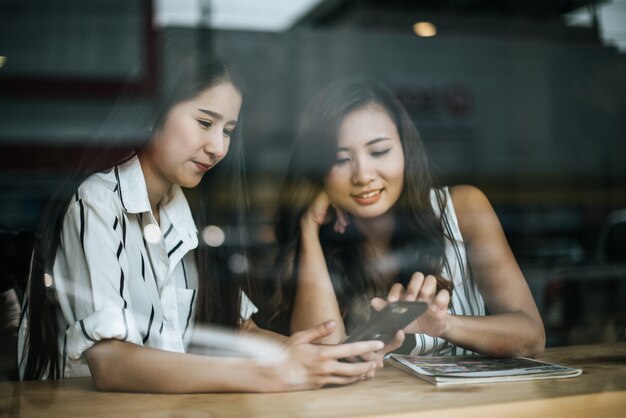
x=100 y=358
x=540 y=342
x=535 y=341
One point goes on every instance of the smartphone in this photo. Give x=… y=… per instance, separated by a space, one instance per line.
x=384 y=324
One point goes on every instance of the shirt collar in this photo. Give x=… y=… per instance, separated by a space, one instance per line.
x=132 y=186
x=178 y=211
x=134 y=195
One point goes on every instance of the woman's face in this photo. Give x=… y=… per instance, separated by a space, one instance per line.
x=368 y=175
x=195 y=135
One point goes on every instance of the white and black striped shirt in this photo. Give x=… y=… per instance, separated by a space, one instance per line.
x=112 y=280
x=466 y=298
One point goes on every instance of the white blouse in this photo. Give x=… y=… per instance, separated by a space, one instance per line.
x=118 y=274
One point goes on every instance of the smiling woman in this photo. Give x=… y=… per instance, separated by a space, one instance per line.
x=361 y=224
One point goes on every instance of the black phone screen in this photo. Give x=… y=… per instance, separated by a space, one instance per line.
x=384 y=324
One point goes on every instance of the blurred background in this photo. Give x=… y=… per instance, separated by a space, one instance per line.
x=524 y=99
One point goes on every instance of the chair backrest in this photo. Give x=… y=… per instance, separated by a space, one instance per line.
x=15 y=254
x=16 y=248
x=611 y=246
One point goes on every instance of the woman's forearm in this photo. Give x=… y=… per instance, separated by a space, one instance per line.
x=119 y=366
x=297 y=365
x=502 y=335
x=315 y=299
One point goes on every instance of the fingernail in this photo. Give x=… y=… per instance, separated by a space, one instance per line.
x=379 y=345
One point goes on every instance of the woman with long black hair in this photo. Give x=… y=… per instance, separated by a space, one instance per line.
x=361 y=224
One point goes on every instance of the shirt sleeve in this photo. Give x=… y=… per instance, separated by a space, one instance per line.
x=90 y=274
x=247 y=307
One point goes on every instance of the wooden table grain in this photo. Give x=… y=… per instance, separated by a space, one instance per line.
x=599 y=392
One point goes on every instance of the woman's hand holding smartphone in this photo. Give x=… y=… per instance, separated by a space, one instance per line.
x=434 y=322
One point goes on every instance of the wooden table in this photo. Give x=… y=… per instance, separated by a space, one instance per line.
x=599 y=392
